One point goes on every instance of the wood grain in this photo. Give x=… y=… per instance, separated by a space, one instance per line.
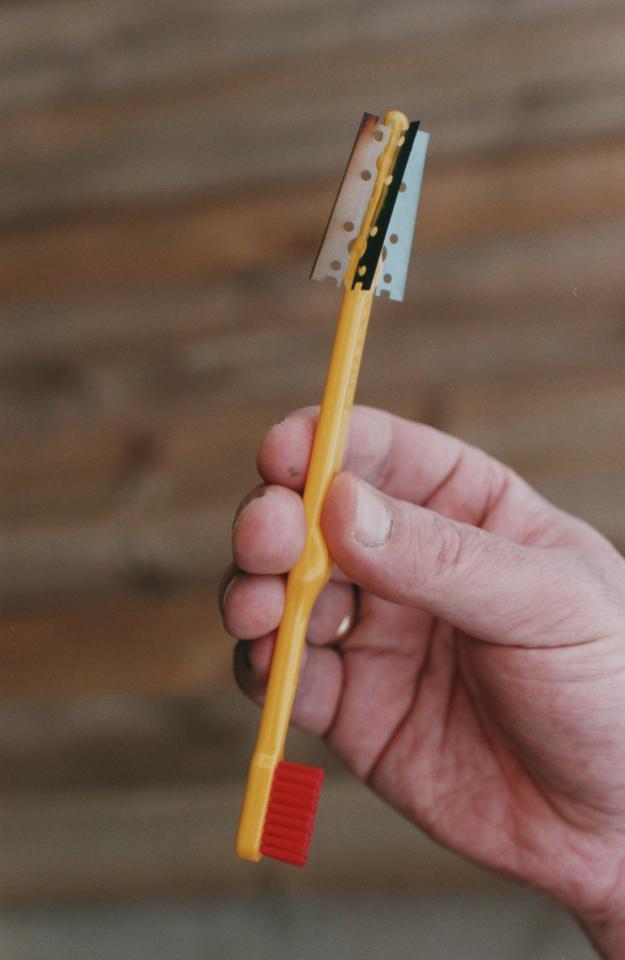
x=179 y=840
x=167 y=169
x=564 y=436
x=497 y=88
x=131 y=645
x=61 y=563
x=128 y=739
x=495 y=196
x=67 y=51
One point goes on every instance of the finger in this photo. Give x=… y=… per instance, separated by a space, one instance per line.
x=269 y=531
x=492 y=588
x=285 y=451
x=319 y=688
x=252 y=606
x=417 y=463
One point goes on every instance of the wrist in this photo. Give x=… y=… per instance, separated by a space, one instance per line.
x=607 y=933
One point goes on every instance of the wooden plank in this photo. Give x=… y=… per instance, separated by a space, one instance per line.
x=179 y=840
x=53 y=51
x=576 y=271
x=564 y=435
x=469 y=340
x=543 y=427
x=88 y=741
x=147 y=539
x=529 y=420
x=94 y=451
x=159 y=449
x=126 y=644
x=125 y=465
x=132 y=321
x=545 y=265
x=567 y=272
x=509 y=920
x=502 y=90
x=105 y=256
x=530 y=189
x=224 y=325
x=593 y=493
x=187 y=243
x=152 y=553
x=478 y=200
x=118 y=483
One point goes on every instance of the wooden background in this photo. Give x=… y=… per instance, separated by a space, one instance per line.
x=166 y=170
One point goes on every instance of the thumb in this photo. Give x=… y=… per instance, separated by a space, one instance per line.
x=492 y=588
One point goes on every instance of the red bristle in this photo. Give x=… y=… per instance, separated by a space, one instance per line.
x=275 y=838
x=292 y=801
x=282 y=819
x=279 y=853
x=299 y=772
x=291 y=812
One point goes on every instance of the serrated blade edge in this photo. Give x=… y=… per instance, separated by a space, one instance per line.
x=401 y=225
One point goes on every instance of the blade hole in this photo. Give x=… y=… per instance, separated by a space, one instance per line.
x=393 y=238
x=348 y=226
x=336 y=265
x=387 y=278
x=402 y=188
x=378 y=135
x=365 y=175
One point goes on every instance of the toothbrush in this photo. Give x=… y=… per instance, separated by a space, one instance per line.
x=366 y=248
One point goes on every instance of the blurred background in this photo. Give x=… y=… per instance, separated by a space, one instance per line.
x=166 y=171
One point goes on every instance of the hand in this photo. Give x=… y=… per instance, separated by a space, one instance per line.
x=480 y=687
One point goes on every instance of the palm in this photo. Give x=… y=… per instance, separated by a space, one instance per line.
x=466 y=737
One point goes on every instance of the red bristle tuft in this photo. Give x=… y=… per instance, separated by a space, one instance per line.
x=291 y=812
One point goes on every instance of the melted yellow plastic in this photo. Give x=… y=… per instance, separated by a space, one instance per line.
x=312 y=570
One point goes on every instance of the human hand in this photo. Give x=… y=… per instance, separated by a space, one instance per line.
x=480 y=687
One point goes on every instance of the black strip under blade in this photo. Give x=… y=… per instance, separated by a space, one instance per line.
x=371 y=256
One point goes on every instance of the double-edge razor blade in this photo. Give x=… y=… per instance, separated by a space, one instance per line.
x=388 y=239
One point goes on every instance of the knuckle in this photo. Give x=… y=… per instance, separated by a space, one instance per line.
x=447 y=548
x=602 y=575
x=437 y=548
x=580 y=593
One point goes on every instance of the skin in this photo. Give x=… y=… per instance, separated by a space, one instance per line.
x=467 y=658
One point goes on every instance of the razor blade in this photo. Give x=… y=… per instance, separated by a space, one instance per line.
x=375 y=210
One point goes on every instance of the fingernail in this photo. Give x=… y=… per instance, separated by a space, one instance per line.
x=373 y=518
x=224 y=593
x=254 y=494
x=229 y=578
x=242 y=659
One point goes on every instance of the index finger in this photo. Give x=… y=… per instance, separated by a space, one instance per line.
x=407 y=460
x=419 y=464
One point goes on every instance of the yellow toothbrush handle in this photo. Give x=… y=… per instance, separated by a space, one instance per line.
x=312 y=570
